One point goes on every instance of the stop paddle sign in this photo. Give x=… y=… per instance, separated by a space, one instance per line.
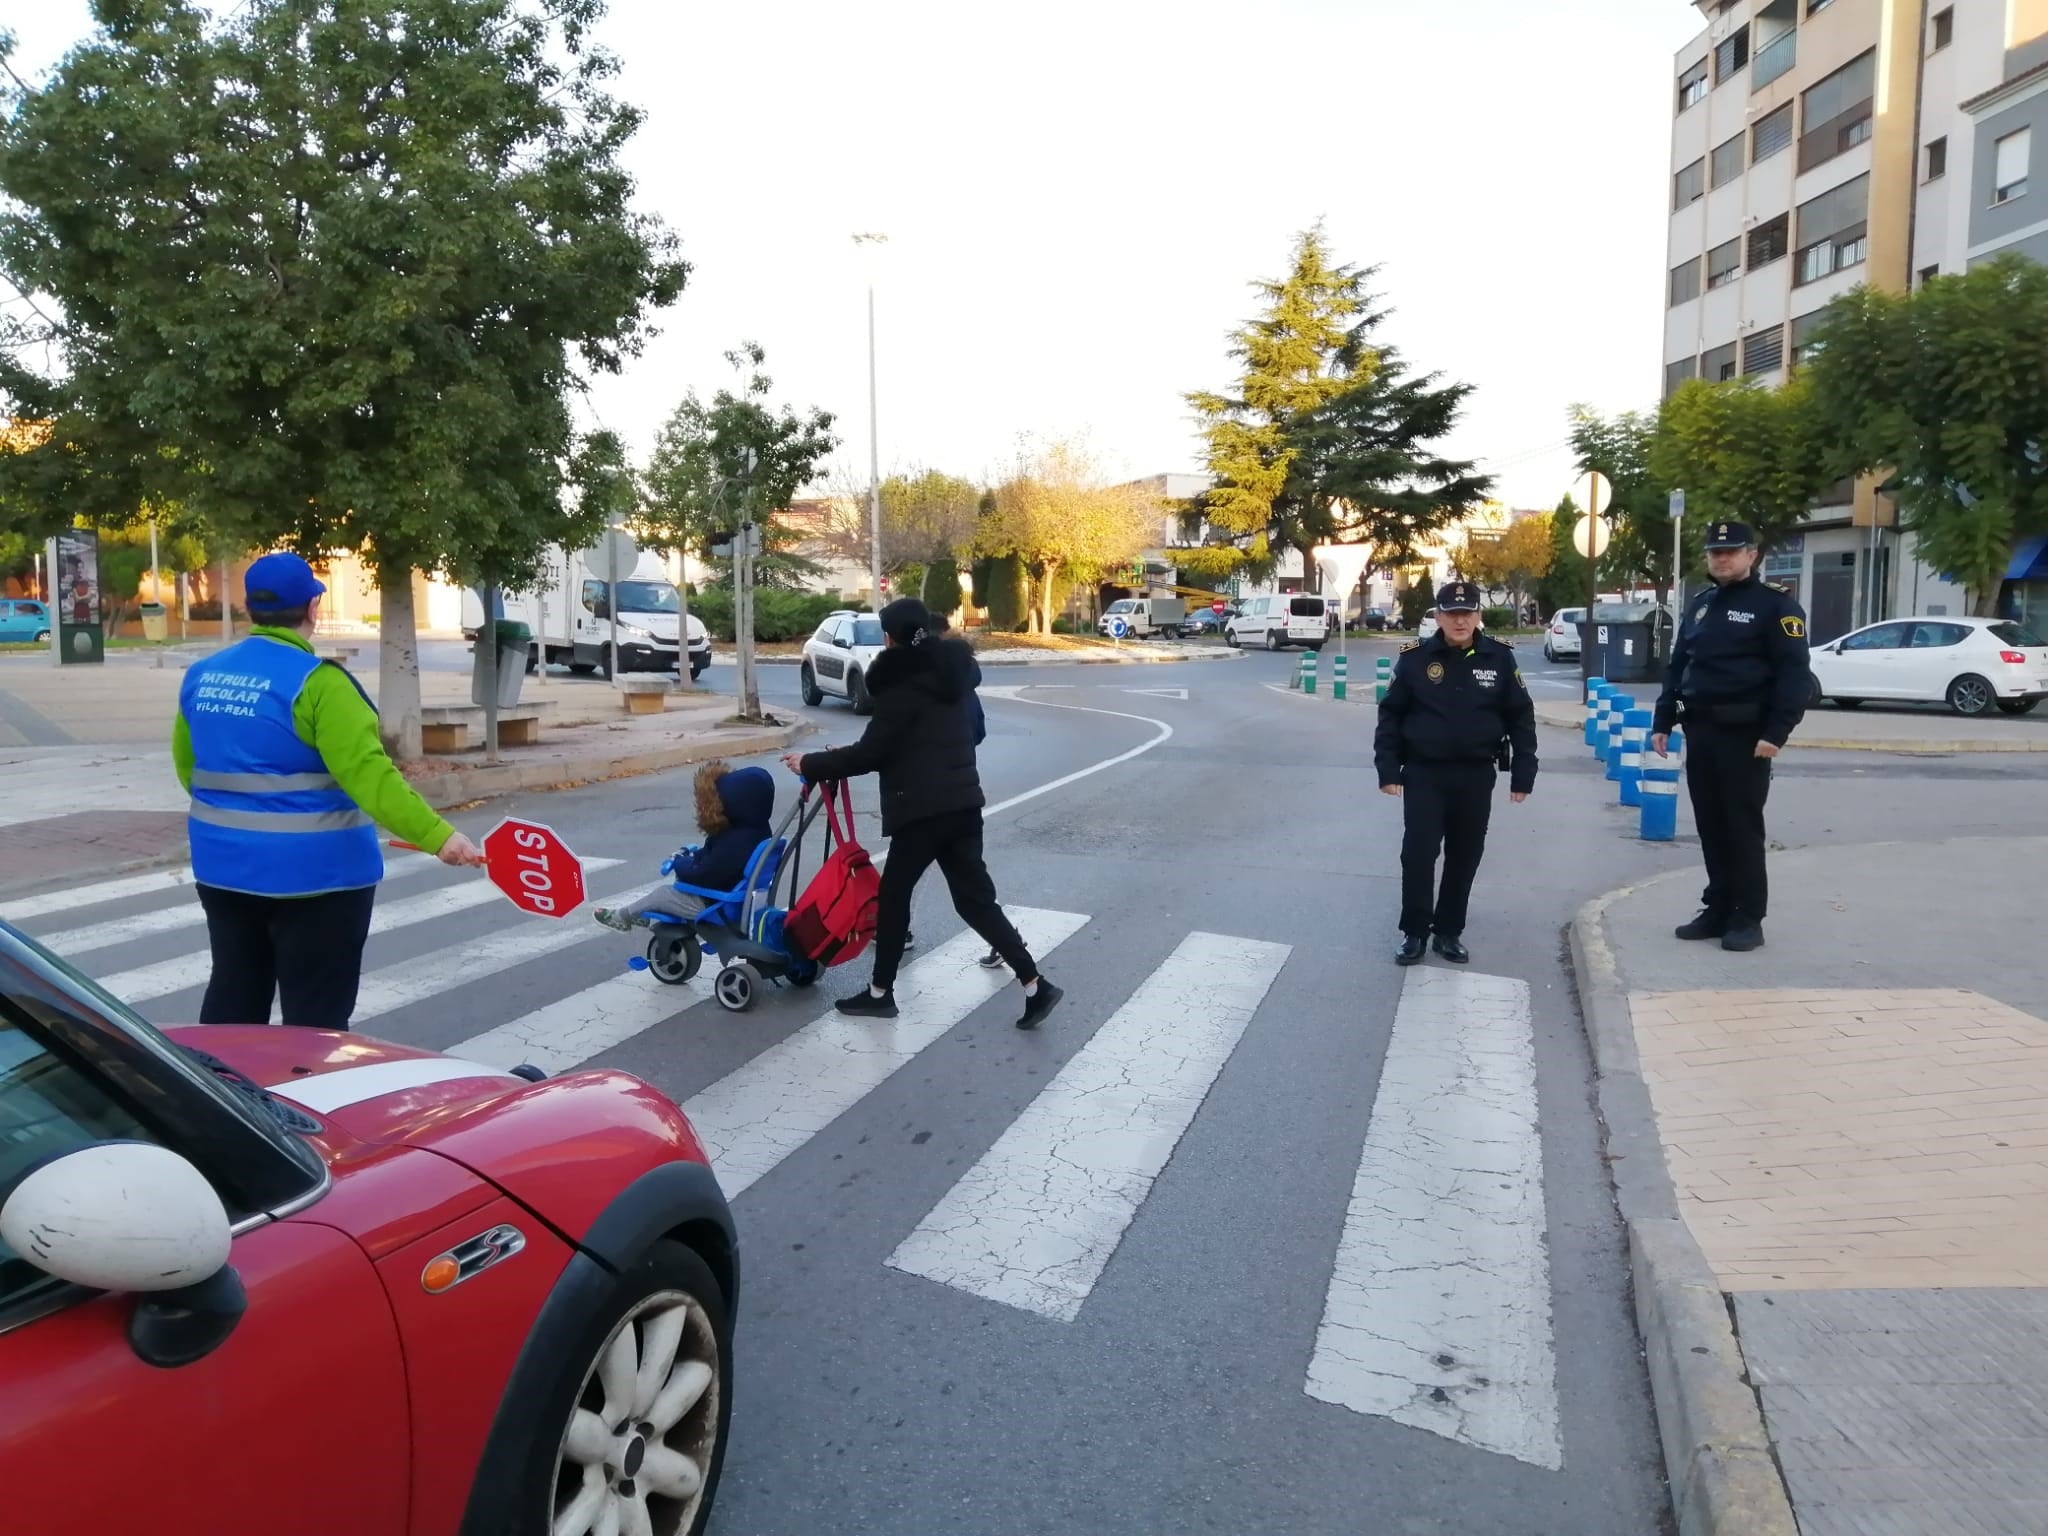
x=534 y=868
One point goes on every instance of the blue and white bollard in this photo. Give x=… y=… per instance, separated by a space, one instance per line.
x=1596 y=704
x=1619 y=705
x=1612 y=703
x=1659 y=817
x=1635 y=733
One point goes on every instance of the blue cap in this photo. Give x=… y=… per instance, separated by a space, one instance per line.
x=278 y=582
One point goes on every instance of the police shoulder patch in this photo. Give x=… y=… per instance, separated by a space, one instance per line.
x=1777 y=586
x=1412 y=645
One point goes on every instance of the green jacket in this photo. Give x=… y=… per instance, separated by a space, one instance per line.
x=332 y=717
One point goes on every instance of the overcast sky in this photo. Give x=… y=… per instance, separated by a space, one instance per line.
x=1077 y=196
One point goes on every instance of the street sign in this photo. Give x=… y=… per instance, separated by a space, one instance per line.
x=1677 y=504
x=1118 y=628
x=1594 y=530
x=1219 y=608
x=1598 y=493
x=534 y=868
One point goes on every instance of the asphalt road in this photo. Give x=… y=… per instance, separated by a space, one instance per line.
x=1095 y=1279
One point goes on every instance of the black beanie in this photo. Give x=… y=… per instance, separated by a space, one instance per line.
x=907 y=620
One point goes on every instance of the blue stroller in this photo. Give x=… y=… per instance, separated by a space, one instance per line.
x=742 y=926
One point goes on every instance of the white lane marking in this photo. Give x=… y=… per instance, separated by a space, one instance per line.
x=757 y=1115
x=325 y=1092
x=1161 y=693
x=147 y=982
x=1438 y=1313
x=566 y=1033
x=73 y=897
x=1165 y=731
x=73 y=942
x=1034 y=1223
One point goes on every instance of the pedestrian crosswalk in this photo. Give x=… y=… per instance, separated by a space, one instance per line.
x=1435 y=1302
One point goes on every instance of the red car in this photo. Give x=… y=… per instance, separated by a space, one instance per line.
x=257 y=1279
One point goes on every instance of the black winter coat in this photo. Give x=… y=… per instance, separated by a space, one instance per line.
x=920 y=738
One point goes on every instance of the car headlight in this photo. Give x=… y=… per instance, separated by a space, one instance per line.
x=633 y=632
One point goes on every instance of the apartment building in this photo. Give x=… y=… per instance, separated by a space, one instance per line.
x=1819 y=144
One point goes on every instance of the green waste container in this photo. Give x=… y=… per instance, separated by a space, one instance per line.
x=513 y=640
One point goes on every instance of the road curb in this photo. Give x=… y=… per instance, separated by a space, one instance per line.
x=1724 y=1476
x=466 y=784
x=1053 y=659
x=1800 y=743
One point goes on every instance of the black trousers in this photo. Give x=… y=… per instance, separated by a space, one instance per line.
x=953 y=842
x=306 y=949
x=1444 y=806
x=1729 y=784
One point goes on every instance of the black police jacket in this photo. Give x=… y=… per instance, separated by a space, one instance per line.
x=1448 y=705
x=1740 y=661
x=920 y=739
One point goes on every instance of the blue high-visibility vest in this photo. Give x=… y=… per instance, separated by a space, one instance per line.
x=266 y=816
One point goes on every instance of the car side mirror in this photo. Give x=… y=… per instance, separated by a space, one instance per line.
x=842 y=642
x=130 y=1216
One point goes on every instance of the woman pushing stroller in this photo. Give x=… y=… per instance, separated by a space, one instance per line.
x=920 y=740
x=734 y=809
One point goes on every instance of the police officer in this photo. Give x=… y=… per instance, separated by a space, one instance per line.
x=1456 y=708
x=1739 y=681
x=289 y=783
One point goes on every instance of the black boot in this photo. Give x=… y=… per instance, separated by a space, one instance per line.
x=865 y=1005
x=1743 y=935
x=1038 y=1003
x=1413 y=947
x=1448 y=945
x=1708 y=925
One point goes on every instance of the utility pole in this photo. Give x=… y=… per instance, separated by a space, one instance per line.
x=874 y=437
x=746 y=540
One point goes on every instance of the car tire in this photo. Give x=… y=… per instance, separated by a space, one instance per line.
x=1230 y=638
x=642 y=1309
x=807 y=683
x=42 y=637
x=674 y=957
x=1846 y=703
x=581 y=669
x=2017 y=706
x=1971 y=696
x=1272 y=640
x=857 y=693
x=1549 y=653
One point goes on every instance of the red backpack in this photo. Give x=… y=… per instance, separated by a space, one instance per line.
x=834 y=919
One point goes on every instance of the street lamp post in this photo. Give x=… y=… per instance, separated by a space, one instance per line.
x=874 y=436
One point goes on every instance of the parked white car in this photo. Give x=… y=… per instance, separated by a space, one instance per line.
x=837 y=658
x=1971 y=664
x=1287 y=618
x=1561 y=634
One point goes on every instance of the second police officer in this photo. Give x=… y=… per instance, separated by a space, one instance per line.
x=1457 y=707
x=1739 y=683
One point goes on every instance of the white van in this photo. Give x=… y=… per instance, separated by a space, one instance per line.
x=1287 y=618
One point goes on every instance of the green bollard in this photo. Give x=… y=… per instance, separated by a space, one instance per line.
x=1309 y=660
x=1340 y=678
x=1383 y=677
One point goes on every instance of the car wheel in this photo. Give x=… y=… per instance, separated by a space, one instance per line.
x=1272 y=640
x=857 y=691
x=1847 y=703
x=674 y=957
x=642 y=1441
x=581 y=669
x=1970 y=695
x=2017 y=706
x=808 y=682
x=1549 y=652
x=1230 y=638
x=1814 y=697
x=736 y=986
x=42 y=637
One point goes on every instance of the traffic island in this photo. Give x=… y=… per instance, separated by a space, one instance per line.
x=1909 y=733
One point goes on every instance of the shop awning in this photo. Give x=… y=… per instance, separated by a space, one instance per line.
x=2029 y=560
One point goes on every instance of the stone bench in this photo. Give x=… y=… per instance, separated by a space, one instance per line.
x=345 y=654
x=645 y=695
x=446 y=727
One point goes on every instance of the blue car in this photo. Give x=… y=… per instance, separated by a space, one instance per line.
x=23 y=621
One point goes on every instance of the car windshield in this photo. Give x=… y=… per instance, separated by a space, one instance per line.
x=1122 y=605
x=648 y=597
x=867 y=631
x=2015 y=634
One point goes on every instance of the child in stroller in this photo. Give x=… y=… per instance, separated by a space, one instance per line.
x=734 y=809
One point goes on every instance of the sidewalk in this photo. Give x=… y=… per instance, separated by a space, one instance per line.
x=69 y=810
x=1871 y=729
x=1840 y=1143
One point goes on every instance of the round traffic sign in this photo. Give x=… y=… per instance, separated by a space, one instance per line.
x=1595 y=531
x=1219 y=608
x=534 y=868
x=1598 y=492
x=614 y=549
x=1118 y=628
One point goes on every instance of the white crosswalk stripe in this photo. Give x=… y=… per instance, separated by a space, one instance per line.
x=1033 y=1224
x=561 y=1035
x=73 y=898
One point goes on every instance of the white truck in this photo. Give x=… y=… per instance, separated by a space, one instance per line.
x=572 y=617
x=1145 y=617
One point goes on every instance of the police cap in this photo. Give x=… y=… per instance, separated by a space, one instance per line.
x=1730 y=535
x=1457 y=597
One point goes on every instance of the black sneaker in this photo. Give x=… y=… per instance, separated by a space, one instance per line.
x=865 y=1005
x=1708 y=925
x=992 y=961
x=1038 y=1004
x=1448 y=945
x=1412 y=948
x=910 y=941
x=1743 y=937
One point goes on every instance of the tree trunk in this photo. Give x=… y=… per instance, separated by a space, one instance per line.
x=398 y=665
x=1311 y=578
x=1045 y=596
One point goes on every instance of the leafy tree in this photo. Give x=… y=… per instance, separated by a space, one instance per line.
x=1563 y=585
x=1527 y=554
x=736 y=458
x=1063 y=524
x=1948 y=386
x=1638 y=516
x=326 y=271
x=1327 y=436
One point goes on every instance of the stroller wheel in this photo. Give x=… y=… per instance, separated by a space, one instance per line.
x=804 y=975
x=736 y=986
x=674 y=957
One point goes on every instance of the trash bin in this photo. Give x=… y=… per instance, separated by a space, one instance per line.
x=1623 y=642
x=156 y=623
x=513 y=641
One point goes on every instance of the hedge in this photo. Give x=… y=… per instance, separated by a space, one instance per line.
x=1498 y=618
x=778 y=615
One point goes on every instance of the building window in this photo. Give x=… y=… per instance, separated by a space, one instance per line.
x=1944 y=29
x=2009 y=179
x=1676 y=374
x=1770 y=242
x=1732 y=56
x=1937 y=159
x=1724 y=264
x=1692 y=86
x=1815 y=7
x=1780 y=55
x=1764 y=352
x=1727 y=161
x=1836 y=112
x=1718 y=366
x=1804 y=348
x=1689 y=185
x=1929 y=274
x=1685 y=282
x=1832 y=231
x=1771 y=135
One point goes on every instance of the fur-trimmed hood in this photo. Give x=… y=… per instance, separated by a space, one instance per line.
x=944 y=668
